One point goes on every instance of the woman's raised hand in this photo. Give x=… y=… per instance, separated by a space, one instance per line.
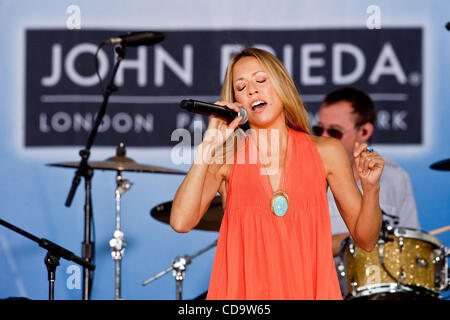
x=218 y=131
x=369 y=165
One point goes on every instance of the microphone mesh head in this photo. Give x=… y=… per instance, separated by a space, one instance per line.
x=244 y=114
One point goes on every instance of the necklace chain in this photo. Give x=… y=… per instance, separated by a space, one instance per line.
x=280 y=199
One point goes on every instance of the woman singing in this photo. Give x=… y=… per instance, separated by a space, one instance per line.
x=275 y=237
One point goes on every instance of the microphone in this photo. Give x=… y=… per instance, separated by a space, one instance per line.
x=213 y=109
x=134 y=39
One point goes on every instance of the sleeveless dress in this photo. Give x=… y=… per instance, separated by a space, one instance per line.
x=260 y=256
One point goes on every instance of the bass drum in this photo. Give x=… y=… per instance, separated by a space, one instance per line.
x=406 y=264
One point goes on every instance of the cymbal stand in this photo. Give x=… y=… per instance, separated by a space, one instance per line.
x=179 y=269
x=117 y=243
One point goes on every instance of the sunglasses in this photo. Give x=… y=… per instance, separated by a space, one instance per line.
x=334 y=133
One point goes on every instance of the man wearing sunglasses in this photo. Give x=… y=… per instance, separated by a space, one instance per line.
x=348 y=114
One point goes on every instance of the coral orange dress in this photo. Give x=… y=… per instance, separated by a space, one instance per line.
x=263 y=256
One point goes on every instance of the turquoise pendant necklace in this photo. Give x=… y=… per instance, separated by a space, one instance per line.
x=279 y=203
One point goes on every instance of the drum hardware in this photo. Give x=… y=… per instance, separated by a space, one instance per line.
x=400 y=244
x=120 y=162
x=381 y=243
x=386 y=230
x=352 y=249
x=436 y=256
x=385 y=234
x=420 y=262
x=117 y=243
x=446 y=282
x=418 y=235
x=179 y=265
x=395 y=219
x=402 y=274
x=341 y=269
x=440 y=256
x=210 y=221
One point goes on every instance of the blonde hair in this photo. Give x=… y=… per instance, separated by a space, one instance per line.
x=295 y=113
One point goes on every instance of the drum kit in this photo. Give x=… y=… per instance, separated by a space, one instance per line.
x=405 y=264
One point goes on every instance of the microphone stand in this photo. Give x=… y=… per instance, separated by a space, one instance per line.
x=86 y=172
x=54 y=253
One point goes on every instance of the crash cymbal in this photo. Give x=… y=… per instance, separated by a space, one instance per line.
x=119 y=162
x=443 y=165
x=210 y=222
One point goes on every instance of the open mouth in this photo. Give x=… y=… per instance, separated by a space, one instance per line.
x=258 y=105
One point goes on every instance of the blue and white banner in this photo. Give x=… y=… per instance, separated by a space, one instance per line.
x=63 y=93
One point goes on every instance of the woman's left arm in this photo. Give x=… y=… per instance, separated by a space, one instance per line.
x=361 y=214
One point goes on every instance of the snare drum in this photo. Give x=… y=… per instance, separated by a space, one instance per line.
x=406 y=261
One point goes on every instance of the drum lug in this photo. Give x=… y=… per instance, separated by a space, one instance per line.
x=341 y=269
x=437 y=256
x=400 y=243
x=442 y=283
x=402 y=274
x=354 y=285
x=351 y=248
x=381 y=252
x=421 y=262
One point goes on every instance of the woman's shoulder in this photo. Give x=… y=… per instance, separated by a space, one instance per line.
x=330 y=150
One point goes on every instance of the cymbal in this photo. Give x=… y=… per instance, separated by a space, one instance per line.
x=119 y=163
x=210 y=222
x=441 y=165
